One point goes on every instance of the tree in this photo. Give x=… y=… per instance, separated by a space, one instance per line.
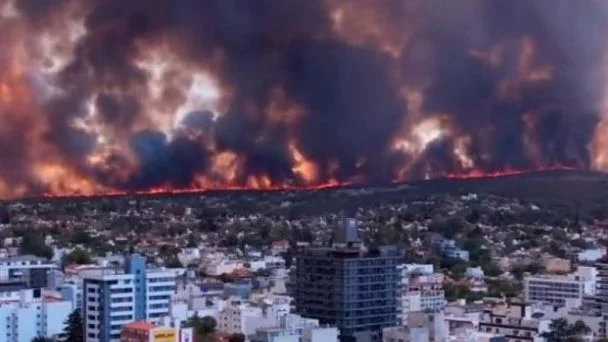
x=236 y=338
x=33 y=243
x=78 y=257
x=226 y=278
x=455 y=291
x=5 y=217
x=491 y=269
x=42 y=339
x=74 y=328
x=561 y=331
x=203 y=327
x=81 y=237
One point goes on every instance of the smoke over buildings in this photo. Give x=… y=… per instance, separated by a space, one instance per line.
x=101 y=96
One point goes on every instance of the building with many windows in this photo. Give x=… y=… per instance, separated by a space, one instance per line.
x=113 y=298
x=30 y=313
x=554 y=289
x=29 y=270
x=519 y=321
x=349 y=286
x=421 y=289
x=599 y=300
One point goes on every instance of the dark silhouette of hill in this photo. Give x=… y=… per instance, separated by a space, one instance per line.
x=565 y=191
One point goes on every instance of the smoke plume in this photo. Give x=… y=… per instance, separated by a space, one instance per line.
x=101 y=96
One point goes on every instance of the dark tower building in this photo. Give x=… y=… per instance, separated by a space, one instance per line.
x=349 y=286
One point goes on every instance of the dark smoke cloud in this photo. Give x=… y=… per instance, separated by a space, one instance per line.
x=352 y=106
x=350 y=88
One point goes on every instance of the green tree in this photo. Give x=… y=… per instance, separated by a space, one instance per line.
x=77 y=256
x=561 y=331
x=42 y=339
x=491 y=269
x=455 y=291
x=81 y=237
x=74 y=328
x=33 y=243
x=203 y=327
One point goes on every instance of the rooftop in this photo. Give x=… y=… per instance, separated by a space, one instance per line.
x=25 y=257
x=140 y=325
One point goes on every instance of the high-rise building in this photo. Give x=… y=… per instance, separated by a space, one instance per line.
x=31 y=313
x=349 y=286
x=28 y=269
x=113 y=298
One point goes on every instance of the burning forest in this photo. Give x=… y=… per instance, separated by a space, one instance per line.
x=107 y=96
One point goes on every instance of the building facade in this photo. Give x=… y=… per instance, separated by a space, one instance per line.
x=599 y=300
x=142 y=331
x=517 y=322
x=554 y=289
x=28 y=269
x=30 y=313
x=114 y=298
x=350 y=287
x=421 y=292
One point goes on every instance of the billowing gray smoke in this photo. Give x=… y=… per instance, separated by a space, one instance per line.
x=303 y=92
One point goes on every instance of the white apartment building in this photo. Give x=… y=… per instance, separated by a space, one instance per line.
x=422 y=290
x=113 y=298
x=295 y=330
x=555 y=289
x=27 y=314
x=240 y=317
x=30 y=269
x=220 y=265
x=519 y=321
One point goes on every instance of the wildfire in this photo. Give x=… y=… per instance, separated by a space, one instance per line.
x=300 y=95
x=473 y=174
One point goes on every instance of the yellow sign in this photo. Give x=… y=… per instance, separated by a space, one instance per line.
x=165 y=335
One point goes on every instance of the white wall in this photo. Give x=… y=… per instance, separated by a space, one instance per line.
x=56 y=313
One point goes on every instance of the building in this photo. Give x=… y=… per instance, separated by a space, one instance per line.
x=477 y=336
x=594 y=319
x=405 y=334
x=237 y=316
x=30 y=313
x=114 y=297
x=297 y=331
x=517 y=322
x=555 y=289
x=8 y=285
x=422 y=290
x=592 y=254
x=28 y=269
x=142 y=331
x=448 y=249
x=349 y=286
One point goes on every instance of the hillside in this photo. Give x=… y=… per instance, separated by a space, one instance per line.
x=565 y=191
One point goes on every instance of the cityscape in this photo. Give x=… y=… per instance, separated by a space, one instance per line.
x=304 y=171
x=441 y=264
